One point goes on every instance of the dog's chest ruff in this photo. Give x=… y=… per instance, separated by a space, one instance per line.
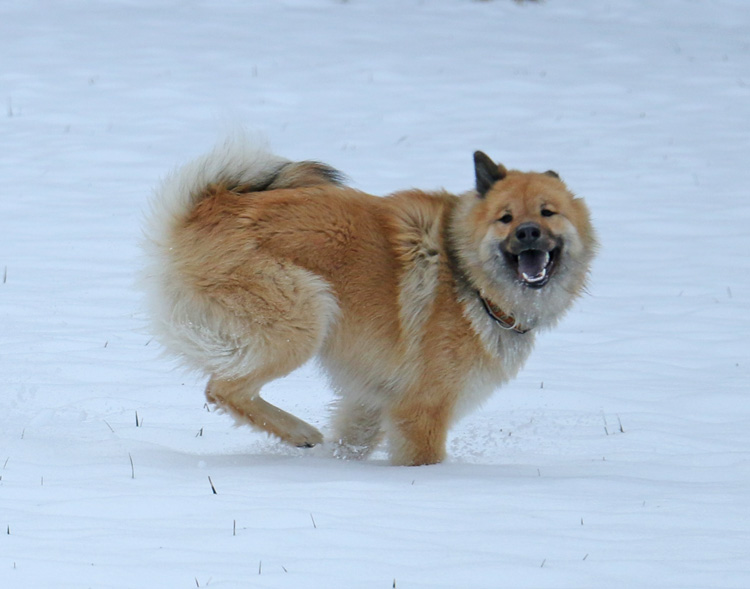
x=507 y=346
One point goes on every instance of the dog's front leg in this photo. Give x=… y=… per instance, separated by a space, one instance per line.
x=357 y=428
x=418 y=431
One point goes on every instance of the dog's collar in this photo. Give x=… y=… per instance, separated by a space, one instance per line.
x=501 y=317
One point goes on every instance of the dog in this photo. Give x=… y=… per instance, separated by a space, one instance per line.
x=417 y=305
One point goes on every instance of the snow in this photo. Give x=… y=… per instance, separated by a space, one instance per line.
x=621 y=455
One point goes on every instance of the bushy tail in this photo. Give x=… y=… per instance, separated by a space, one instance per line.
x=235 y=165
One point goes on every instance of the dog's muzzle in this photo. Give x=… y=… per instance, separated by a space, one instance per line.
x=532 y=253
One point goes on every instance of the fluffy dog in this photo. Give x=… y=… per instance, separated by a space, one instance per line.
x=418 y=305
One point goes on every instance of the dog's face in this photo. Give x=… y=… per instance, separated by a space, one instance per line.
x=531 y=236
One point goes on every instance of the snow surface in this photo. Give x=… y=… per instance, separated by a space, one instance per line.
x=621 y=455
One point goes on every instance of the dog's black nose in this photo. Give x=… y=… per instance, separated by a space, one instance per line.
x=528 y=233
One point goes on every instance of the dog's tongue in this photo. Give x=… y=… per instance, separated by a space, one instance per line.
x=532 y=265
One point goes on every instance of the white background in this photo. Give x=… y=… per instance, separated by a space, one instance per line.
x=621 y=455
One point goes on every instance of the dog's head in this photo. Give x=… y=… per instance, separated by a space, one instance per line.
x=528 y=237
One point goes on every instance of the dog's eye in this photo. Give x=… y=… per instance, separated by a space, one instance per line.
x=547 y=213
x=506 y=218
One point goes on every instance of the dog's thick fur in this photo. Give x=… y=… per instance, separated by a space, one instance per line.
x=258 y=264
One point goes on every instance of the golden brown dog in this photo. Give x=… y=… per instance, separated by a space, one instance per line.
x=418 y=304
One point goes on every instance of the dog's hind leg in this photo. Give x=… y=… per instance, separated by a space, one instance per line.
x=281 y=319
x=241 y=398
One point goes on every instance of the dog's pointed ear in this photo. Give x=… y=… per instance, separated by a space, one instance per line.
x=552 y=173
x=487 y=172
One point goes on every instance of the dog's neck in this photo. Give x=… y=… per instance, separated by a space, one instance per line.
x=501 y=317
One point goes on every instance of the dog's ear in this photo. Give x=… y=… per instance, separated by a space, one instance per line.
x=552 y=173
x=487 y=172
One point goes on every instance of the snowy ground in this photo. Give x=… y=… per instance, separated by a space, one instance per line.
x=619 y=458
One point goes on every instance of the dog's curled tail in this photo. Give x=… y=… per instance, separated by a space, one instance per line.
x=236 y=165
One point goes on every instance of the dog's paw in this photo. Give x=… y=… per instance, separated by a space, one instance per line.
x=344 y=451
x=304 y=436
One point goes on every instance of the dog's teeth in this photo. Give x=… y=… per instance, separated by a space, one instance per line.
x=537 y=278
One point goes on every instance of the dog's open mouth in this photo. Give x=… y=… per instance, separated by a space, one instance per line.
x=534 y=267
